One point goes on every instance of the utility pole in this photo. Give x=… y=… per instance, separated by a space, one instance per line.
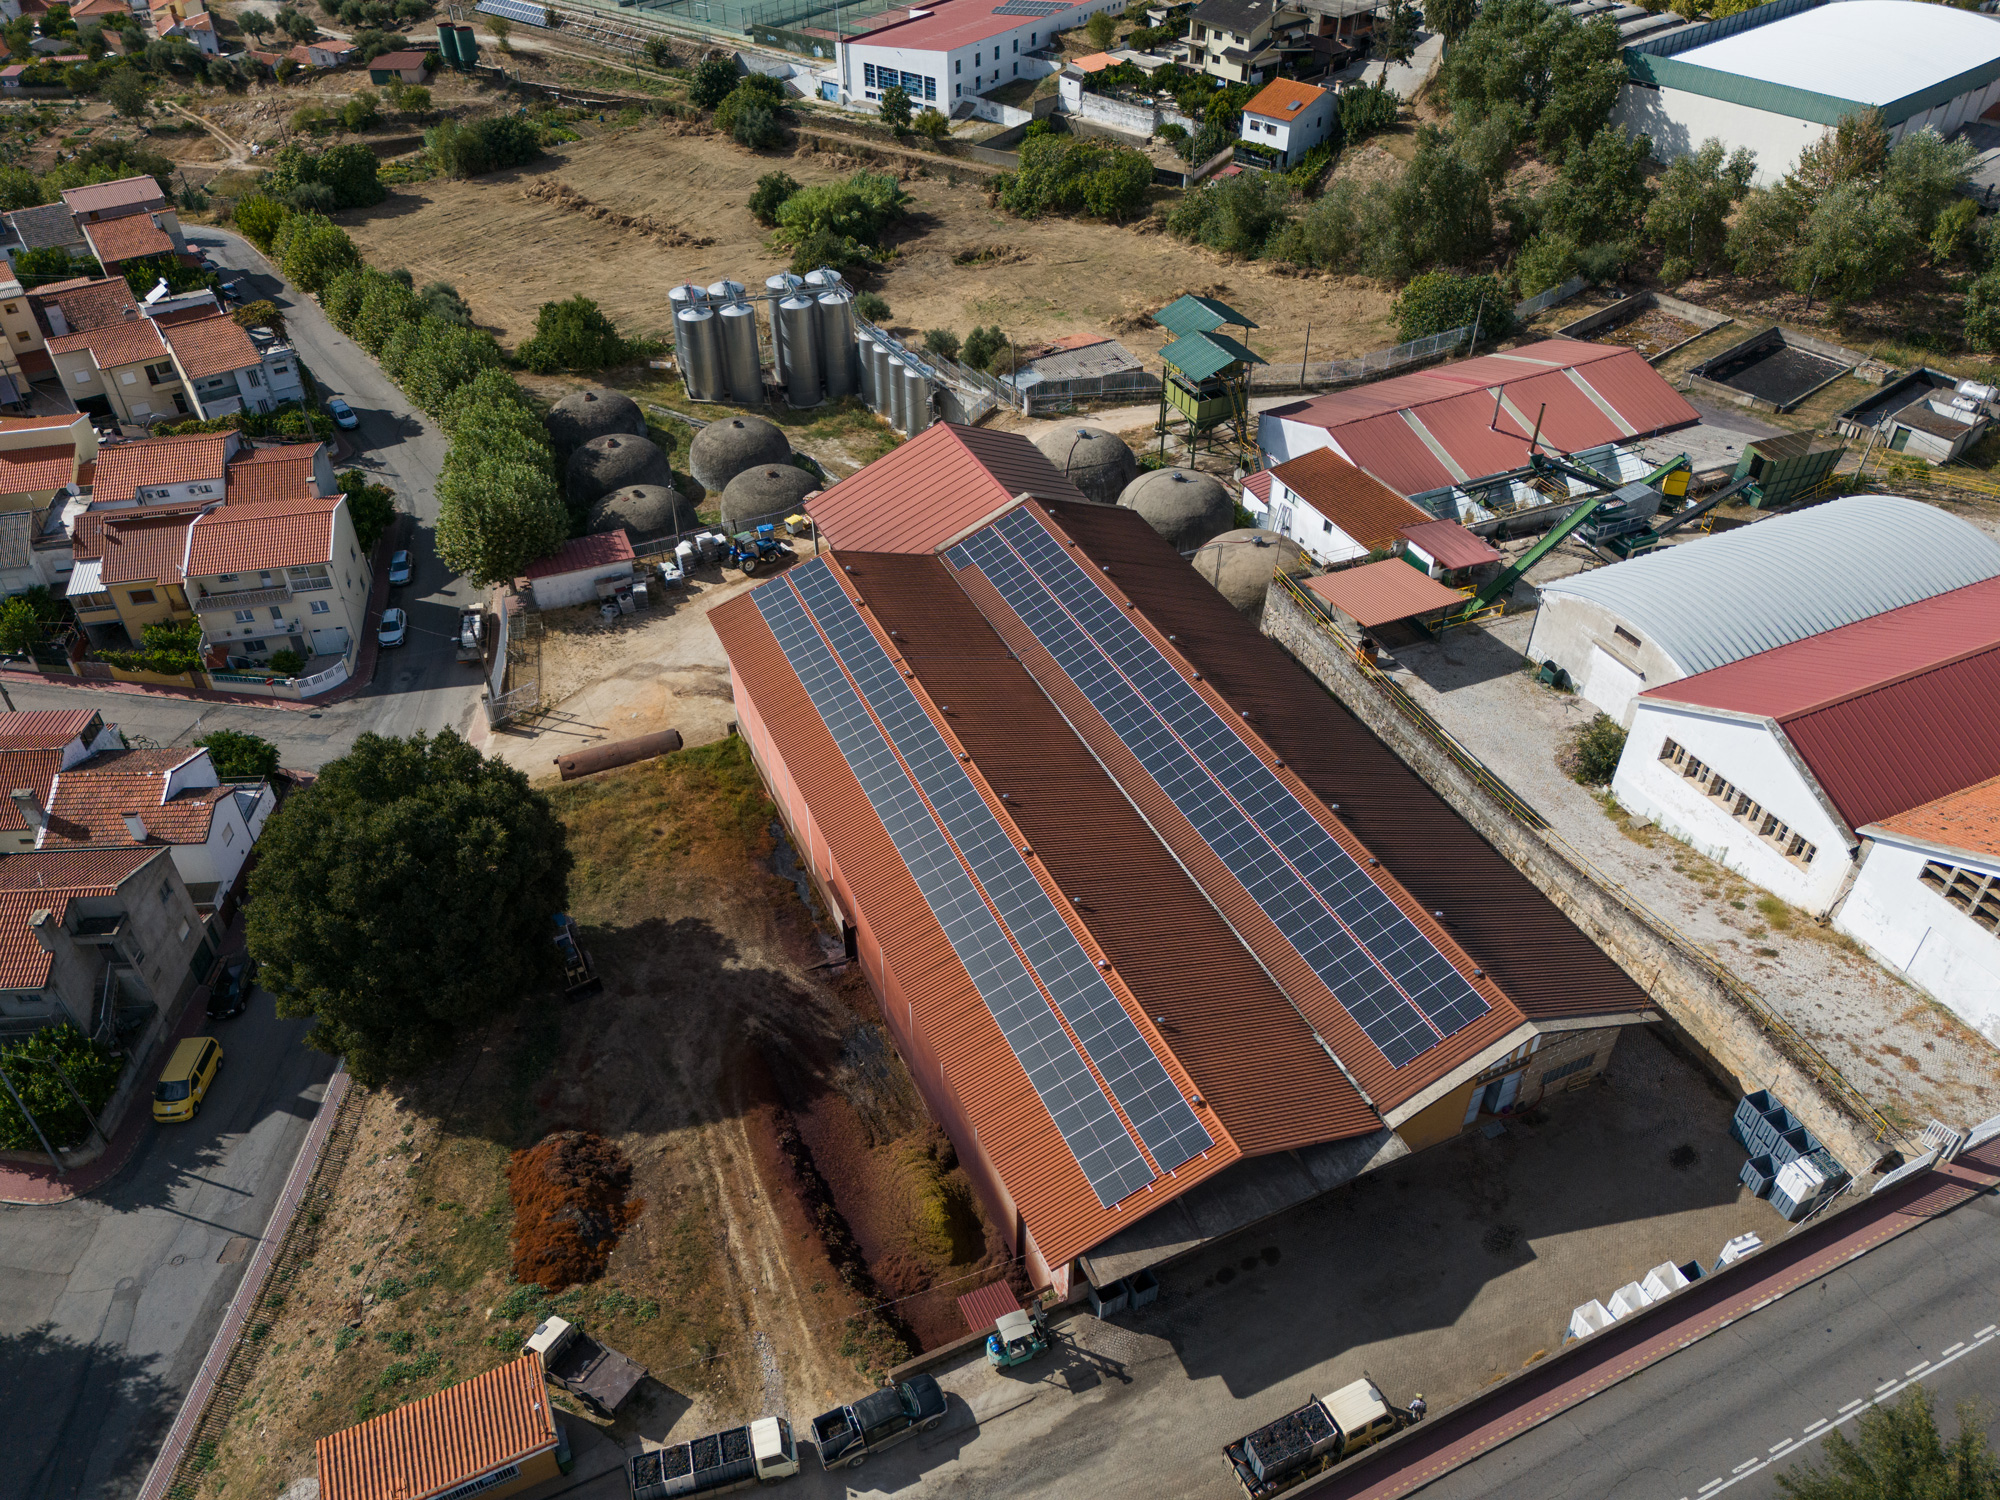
x=1304 y=354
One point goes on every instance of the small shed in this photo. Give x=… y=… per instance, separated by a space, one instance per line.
x=582 y=570
x=1445 y=549
x=1786 y=467
x=403 y=67
x=493 y=1435
x=985 y=1307
x=1380 y=593
x=1937 y=428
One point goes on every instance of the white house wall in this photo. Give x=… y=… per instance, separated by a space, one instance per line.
x=1679 y=122
x=1292 y=515
x=962 y=71
x=1282 y=439
x=1754 y=757
x=1912 y=930
x=1582 y=637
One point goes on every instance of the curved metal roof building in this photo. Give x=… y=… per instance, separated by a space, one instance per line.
x=1714 y=601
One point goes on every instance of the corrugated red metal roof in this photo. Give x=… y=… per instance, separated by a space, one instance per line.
x=1593 y=393
x=1378 y=592
x=1968 y=820
x=599 y=550
x=1451 y=544
x=1359 y=504
x=941 y=483
x=427 y=1447
x=985 y=1307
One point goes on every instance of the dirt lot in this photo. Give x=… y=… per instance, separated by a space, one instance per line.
x=508 y=252
x=789 y=1177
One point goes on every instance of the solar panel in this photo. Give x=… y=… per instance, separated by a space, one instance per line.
x=1405 y=994
x=1079 y=1107
x=1031 y=7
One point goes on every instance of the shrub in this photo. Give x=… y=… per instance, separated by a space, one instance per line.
x=873 y=306
x=931 y=124
x=1442 y=300
x=941 y=341
x=1237 y=214
x=361 y=112
x=488 y=145
x=286 y=663
x=1101 y=29
x=981 y=346
x=348 y=172
x=1598 y=746
x=772 y=189
x=714 y=80
x=315 y=251
x=841 y=223
x=238 y=756
x=756 y=127
x=1366 y=110
x=370 y=506
x=1062 y=174
x=575 y=335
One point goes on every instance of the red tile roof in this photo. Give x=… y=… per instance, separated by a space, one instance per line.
x=1968 y=820
x=1362 y=506
x=273 y=473
x=1429 y=430
x=1889 y=712
x=271 y=534
x=141 y=548
x=33 y=769
x=133 y=237
x=100 y=302
x=127 y=194
x=43 y=728
x=1378 y=592
x=88 y=803
x=115 y=344
x=395 y=62
x=941 y=483
x=123 y=469
x=48 y=880
x=1259 y=484
x=428 y=1446
x=1283 y=100
x=579 y=554
x=212 y=345
x=45 y=468
x=1451 y=544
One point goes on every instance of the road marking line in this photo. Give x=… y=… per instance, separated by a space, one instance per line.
x=1817 y=1425
x=1954 y=1349
x=1849 y=1407
x=1915 y=1368
x=1884 y=1386
x=1707 y=1487
x=1755 y=1463
x=1780 y=1447
x=1986 y=1330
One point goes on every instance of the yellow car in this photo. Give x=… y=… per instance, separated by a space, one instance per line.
x=187 y=1078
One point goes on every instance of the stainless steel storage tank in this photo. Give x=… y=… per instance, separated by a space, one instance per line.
x=918 y=396
x=800 y=372
x=742 y=367
x=679 y=299
x=725 y=291
x=701 y=353
x=776 y=289
x=836 y=342
x=864 y=371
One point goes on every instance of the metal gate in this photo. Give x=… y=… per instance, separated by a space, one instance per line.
x=513 y=704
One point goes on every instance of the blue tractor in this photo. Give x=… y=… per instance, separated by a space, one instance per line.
x=747 y=549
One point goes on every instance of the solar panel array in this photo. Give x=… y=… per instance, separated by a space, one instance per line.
x=1032 y=7
x=979 y=864
x=1406 y=995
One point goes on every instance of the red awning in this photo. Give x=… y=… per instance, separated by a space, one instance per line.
x=1379 y=592
x=983 y=1308
x=1450 y=543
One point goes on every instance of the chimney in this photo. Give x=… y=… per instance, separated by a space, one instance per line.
x=136 y=826
x=31 y=808
x=43 y=925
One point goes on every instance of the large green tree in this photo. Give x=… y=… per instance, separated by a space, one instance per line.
x=1898 y=1453
x=239 y=756
x=1689 y=217
x=403 y=900
x=313 y=250
x=1564 y=74
x=496 y=513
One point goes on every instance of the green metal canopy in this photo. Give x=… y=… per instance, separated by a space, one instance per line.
x=1191 y=314
x=1200 y=355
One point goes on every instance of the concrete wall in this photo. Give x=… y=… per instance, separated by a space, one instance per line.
x=1756 y=760
x=1734 y=1042
x=1581 y=636
x=1122 y=115
x=1679 y=122
x=1913 y=931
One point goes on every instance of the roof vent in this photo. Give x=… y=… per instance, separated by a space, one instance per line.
x=136 y=826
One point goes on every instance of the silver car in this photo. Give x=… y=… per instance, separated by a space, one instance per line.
x=394 y=630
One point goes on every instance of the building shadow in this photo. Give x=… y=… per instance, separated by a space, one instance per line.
x=1461 y=658
x=77 y=1419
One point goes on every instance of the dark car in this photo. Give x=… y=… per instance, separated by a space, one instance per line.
x=230 y=990
x=881 y=1419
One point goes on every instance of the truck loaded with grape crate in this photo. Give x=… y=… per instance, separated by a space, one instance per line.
x=1315 y=1437
x=732 y=1459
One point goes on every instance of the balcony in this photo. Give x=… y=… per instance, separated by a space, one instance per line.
x=310 y=585
x=256 y=598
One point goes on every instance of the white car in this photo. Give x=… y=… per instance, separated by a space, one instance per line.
x=394 y=630
x=399 y=568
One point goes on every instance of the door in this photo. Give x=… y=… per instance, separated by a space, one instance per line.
x=331 y=641
x=1900 y=441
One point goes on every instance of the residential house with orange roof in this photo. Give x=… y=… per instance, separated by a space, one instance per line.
x=1334 y=510
x=40 y=457
x=493 y=1436
x=1926 y=902
x=278 y=575
x=186 y=470
x=34 y=747
x=225 y=368
x=84 y=932
x=134 y=237
x=122 y=370
x=127 y=799
x=138 y=361
x=1284 y=121
x=284 y=471
x=100 y=202
x=127 y=575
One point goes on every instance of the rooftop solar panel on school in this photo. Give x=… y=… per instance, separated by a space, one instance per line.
x=962 y=860
x=1031 y=7
x=1405 y=994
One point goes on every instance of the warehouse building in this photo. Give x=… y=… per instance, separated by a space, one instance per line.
x=1168 y=940
x=1774 y=764
x=1927 y=901
x=1461 y=422
x=1775 y=78
x=943 y=54
x=1686 y=609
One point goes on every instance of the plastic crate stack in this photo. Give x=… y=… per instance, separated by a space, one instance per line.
x=1787 y=1164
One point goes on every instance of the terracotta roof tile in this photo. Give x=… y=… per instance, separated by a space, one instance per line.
x=47 y=880
x=45 y=468
x=123 y=469
x=127 y=194
x=1379 y=592
x=212 y=345
x=87 y=806
x=1968 y=820
x=141 y=548
x=428 y=1446
x=86 y=302
x=132 y=237
x=1363 y=507
x=273 y=474
x=1283 y=100
x=601 y=550
x=43 y=728
x=395 y=61
x=273 y=534
x=115 y=344
x=34 y=770
x=1451 y=544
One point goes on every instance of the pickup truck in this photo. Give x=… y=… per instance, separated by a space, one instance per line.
x=1315 y=1437
x=723 y=1461
x=472 y=635
x=881 y=1419
x=600 y=1378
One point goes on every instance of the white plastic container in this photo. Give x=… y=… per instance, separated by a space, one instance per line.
x=1736 y=1249
x=1663 y=1281
x=1588 y=1319
x=1627 y=1300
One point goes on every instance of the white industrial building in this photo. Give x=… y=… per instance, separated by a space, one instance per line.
x=1774 y=765
x=1692 y=607
x=1927 y=902
x=1775 y=78
x=946 y=53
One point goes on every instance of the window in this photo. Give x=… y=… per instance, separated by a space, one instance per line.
x=160 y=373
x=1325 y=525
x=281 y=369
x=958 y=65
x=1739 y=804
x=245 y=616
x=140 y=596
x=128 y=378
x=228 y=835
x=868 y=74
x=1973 y=892
x=1567 y=1069
x=1017 y=44
x=1625 y=635
x=976 y=58
x=256 y=379
x=1017 y=70
x=320 y=607
x=277 y=613
x=21 y=337
x=930 y=88
x=81 y=377
x=166 y=891
x=10 y=307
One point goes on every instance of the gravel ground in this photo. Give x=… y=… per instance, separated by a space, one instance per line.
x=1911 y=1057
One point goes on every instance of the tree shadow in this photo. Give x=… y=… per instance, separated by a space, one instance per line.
x=77 y=1418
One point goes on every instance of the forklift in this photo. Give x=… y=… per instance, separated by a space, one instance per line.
x=1017 y=1338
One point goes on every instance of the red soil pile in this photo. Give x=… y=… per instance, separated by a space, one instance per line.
x=569 y=1207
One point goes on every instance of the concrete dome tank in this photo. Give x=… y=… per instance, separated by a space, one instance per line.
x=1240 y=563
x=595 y=413
x=1185 y=506
x=769 y=490
x=614 y=463
x=726 y=447
x=1097 y=462
x=644 y=512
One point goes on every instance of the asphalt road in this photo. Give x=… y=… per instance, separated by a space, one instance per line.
x=1755 y=1400
x=108 y=1303
x=420 y=685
